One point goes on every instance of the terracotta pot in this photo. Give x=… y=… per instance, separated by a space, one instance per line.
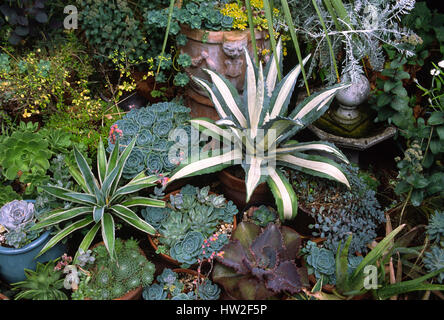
x=134 y=294
x=220 y=51
x=234 y=189
x=165 y=256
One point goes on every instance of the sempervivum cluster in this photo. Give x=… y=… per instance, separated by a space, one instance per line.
x=152 y=126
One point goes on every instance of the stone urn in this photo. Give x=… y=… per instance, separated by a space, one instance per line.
x=220 y=51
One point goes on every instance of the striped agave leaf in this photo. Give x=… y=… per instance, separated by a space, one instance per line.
x=258 y=128
x=101 y=201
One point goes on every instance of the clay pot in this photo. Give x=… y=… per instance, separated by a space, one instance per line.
x=134 y=294
x=234 y=189
x=165 y=256
x=223 y=52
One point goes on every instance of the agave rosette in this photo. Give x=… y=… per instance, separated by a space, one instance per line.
x=258 y=128
x=102 y=199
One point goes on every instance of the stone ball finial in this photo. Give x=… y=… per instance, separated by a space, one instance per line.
x=356 y=94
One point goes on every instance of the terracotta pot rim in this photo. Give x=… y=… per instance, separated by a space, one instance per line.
x=220 y=35
x=167 y=257
x=261 y=188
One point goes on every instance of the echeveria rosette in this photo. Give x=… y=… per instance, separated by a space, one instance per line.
x=187 y=250
x=434 y=261
x=135 y=164
x=208 y=290
x=16 y=213
x=162 y=128
x=155 y=216
x=154 y=163
x=145 y=138
x=321 y=262
x=146 y=118
x=184 y=296
x=154 y=292
x=167 y=276
x=435 y=228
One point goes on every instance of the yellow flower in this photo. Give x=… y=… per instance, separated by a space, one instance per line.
x=26 y=114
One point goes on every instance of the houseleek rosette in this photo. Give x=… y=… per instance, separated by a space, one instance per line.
x=101 y=201
x=258 y=127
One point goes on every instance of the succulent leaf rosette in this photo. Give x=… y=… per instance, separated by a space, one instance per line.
x=258 y=264
x=16 y=213
x=187 y=226
x=188 y=249
x=151 y=126
x=256 y=129
x=16 y=220
x=169 y=286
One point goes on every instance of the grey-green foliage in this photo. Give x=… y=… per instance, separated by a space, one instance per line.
x=152 y=125
x=342 y=211
x=192 y=216
x=169 y=287
x=322 y=262
x=434 y=258
x=435 y=228
x=112 y=26
x=112 y=279
x=367 y=25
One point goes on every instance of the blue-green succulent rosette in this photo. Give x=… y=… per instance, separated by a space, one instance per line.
x=151 y=126
x=134 y=164
x=154 y=163
x=187 y=250
x=208 y=291
x=321 y=262
x=155 y=216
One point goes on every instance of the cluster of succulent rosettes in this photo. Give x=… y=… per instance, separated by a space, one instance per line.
x=339 y=211
x=16 y=218
x=434 y=258
x=170 y=286
x=192 y=216
x=322 y=262
x=260 y=263
x=130 y=270
x=153 y=125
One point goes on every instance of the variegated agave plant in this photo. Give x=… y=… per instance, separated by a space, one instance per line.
x=102 y=198
x=259 y=128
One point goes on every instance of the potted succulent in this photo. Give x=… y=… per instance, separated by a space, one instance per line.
x=256 y=129
x=103 y=199
x=181 y=284
x=151 y=127
x=192 y=217
x=45 y=283
x=19 y=244
x=122 y=278
x=331 y=211
x=259 y=263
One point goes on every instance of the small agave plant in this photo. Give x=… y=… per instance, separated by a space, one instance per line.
x=258 y=128
x=102 y=199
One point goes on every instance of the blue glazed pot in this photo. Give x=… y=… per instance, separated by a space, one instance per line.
x=13 y=261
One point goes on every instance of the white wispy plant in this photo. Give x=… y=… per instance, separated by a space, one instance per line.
x=258 y=127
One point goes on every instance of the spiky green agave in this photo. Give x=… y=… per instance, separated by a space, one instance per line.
x=259 y=128
x=102 y=198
